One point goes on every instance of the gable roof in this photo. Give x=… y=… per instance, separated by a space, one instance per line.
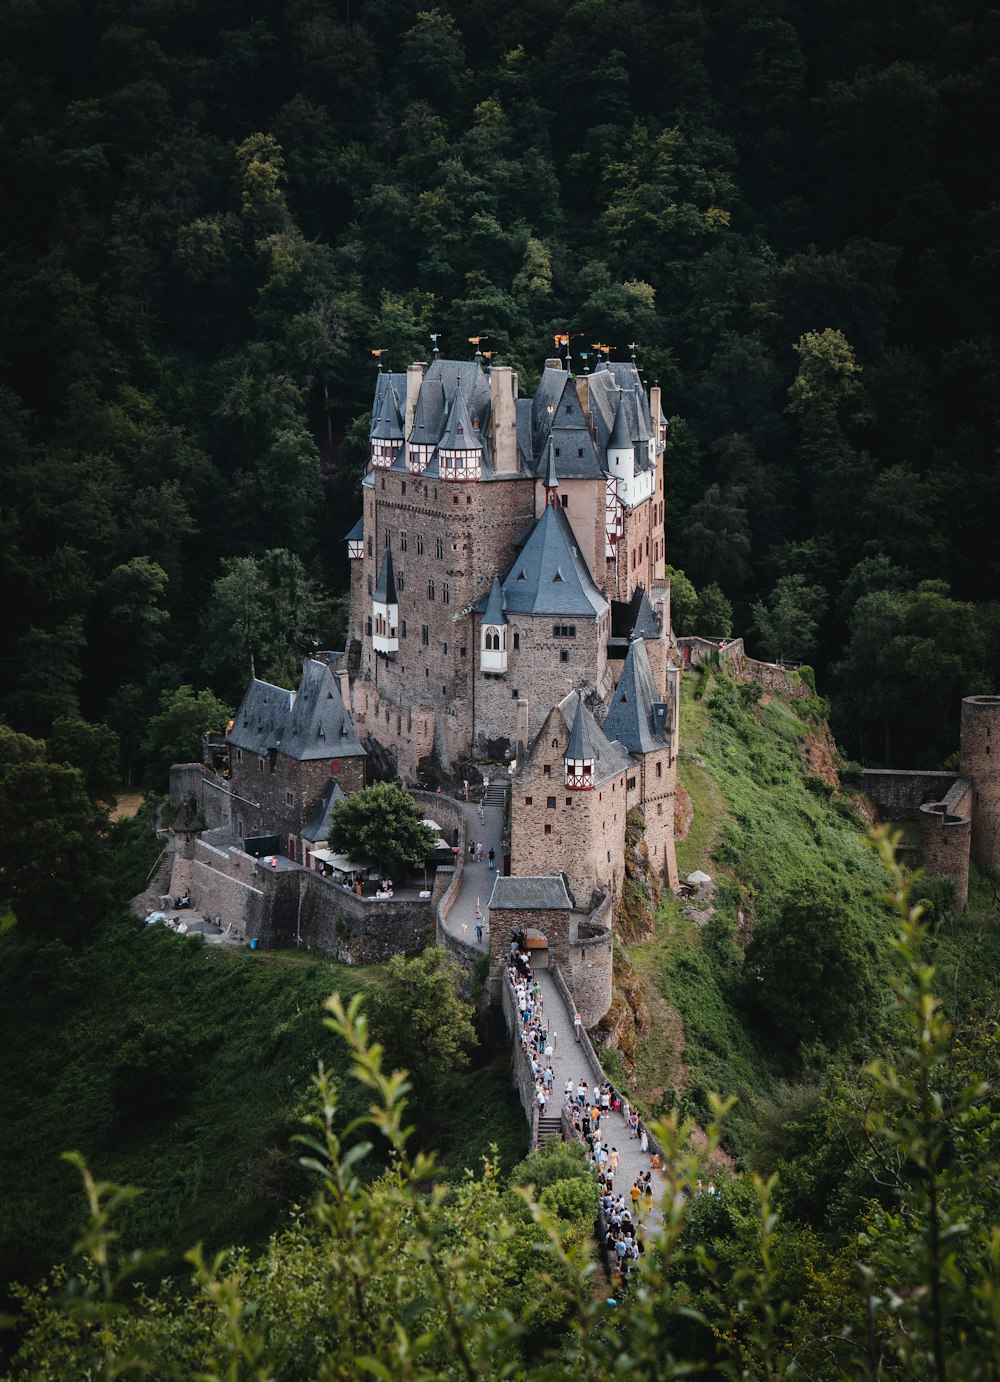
x=550 y=576
x=631 y=719
x=310 y=723
x=543 y=894
x=461 y=433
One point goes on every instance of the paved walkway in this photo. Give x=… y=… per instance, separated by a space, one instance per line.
x=569 y=1062
x=481 y=827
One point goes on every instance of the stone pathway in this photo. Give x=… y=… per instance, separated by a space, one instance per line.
x=484 y=826
x=569 y=1062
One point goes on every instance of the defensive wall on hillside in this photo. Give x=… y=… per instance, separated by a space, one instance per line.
x=730 y=656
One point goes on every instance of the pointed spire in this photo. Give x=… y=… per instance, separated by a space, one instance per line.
x=621 y=437
x=494 y=613
x=551 y=478
x=385 y=591
x=581 y=746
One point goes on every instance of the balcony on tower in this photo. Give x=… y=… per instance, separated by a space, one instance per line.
x=581 y=752
x=493 y=633
x=385 y=611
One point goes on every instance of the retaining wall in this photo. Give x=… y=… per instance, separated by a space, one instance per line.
x=899 y=794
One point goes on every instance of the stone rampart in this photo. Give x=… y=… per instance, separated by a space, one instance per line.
x=731 y=657
x=325 y=916
x=945 y=839
x=520 y=1066
x=224 y=883
x=898 y=795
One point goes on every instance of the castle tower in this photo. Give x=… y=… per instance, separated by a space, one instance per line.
x=385 y=610
x=980 y=764
x=493 y=633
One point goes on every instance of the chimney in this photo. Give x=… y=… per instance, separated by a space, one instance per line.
x=583 y=394
x=654 y=411
x=522 y=729
x=503 y=419
x=414 y=378
x=554 y=363
x=344 y=682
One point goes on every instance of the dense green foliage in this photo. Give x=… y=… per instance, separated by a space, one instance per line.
x=400 y=1277
x=212 y=215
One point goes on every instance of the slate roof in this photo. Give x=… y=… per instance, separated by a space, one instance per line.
x=460 y=434
x=634 y=616
x=318 y=826
x=357 y=533
x=630 y=719
x=550 y=576
x=620 y=438
x=583 y=741
x=428 y=415
x=385 y=590
x=494 y=612
x=543 y=894
x=614 y=383
x=387 y=423
x=310 y=723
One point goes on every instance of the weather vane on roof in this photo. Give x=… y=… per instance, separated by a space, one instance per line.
x=378 y=356
x=632 y=347
x=475 y=340
x=435 y=337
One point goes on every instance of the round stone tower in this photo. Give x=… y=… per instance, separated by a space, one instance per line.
x=980 y=764
x=944 y=847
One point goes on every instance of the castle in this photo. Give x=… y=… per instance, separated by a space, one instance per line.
x=508 y=603
x=508 y=608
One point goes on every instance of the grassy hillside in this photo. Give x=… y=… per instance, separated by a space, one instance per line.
x=181 y=1068
x=763 y=822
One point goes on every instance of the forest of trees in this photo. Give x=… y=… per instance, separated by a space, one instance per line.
x=214 y=213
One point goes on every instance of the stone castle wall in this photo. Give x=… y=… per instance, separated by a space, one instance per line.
x=899 y=794
x=276 y=795
x=410 y=732
x=537 y=673
x=559 y=830
x=944 y=847
x=980 y=763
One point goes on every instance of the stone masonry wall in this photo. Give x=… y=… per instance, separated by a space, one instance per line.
x=410 y=730
x=535 y=671
x=558 y=830
x=898 y=794
x=355 y=930
x=279 y=794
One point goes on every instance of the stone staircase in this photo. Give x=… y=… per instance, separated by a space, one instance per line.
x=549 y=1125
x=498 y=791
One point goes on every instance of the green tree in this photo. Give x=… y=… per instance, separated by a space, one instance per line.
x=788 y=623
x=52 y=850
x=381 y=823
x=174 y=733
x=683 y=601
x=715 y=613
x=421 y=1021
x=94 y=749
x=809 y=970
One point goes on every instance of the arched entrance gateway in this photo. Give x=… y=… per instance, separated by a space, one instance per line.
x=536 y=913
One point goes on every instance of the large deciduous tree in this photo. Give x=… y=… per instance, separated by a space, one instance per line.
x=381 y=823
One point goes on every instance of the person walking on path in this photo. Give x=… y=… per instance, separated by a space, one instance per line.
x=479 y=932
x=577 y=1025
x=492 y=857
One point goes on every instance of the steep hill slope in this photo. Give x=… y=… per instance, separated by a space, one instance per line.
x=768 y=817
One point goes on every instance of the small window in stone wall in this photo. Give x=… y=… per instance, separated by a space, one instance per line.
x=550 y=803
x=289 y=799
x=659 y=770
x=547 y=769
x=517 y=641
x=548 y=829
x=569 y=801
x=631 y=784
x=563 y=654
x=239 y=755
x=659 y=808
x=260 y=765
x=528 y=801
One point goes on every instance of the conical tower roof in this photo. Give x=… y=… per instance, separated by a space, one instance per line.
x=460 y=435
x=385 y=591
x=494 y=612
x=387 y=424
x=585 y=737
